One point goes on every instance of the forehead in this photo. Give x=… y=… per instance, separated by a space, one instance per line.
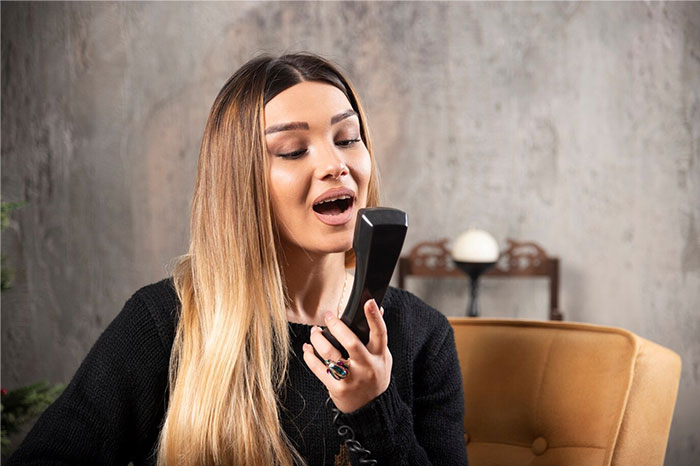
x=307 y=101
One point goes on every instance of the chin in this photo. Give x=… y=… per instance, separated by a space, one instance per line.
x=337 y=246
x=344 y=247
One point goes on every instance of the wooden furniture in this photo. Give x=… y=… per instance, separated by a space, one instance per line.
x=519 y=259
x=561 y=393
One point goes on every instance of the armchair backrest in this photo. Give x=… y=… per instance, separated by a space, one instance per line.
x=561 y=393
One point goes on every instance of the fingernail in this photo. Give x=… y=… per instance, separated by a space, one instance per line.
x=327 y=316
x=306 y=346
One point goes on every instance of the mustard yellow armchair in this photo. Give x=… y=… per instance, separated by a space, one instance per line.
x=564 y=394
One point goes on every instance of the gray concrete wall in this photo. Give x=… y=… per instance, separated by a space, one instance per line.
x=574 y=125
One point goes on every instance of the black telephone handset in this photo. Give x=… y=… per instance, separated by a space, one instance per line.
x=379 y=236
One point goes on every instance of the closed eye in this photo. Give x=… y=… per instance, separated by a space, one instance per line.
x=292 y=155
x=348 y=142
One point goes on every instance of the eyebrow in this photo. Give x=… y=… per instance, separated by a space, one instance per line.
x=303 y=125
x=342 y=116
x=286 y=127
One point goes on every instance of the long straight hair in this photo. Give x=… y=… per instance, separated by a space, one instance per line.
x=229 y=357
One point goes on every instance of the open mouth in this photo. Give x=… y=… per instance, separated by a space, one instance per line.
x=334 y=206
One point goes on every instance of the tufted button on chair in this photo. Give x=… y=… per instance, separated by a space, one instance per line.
x=539 y=446
x=564 y=394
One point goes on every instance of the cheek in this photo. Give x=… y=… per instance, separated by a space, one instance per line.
x=363 y=170
x=282 y=185
x=288 y=191
x=280 y=198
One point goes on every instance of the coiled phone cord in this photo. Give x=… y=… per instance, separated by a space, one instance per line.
x=348 y=435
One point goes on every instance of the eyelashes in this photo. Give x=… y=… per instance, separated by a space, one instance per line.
x=345 y=143
x=292 y=155
x=348 y=142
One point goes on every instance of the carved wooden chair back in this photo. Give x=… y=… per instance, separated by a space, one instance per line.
x=519 y=259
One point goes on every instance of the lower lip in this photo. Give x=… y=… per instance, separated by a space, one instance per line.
x=336 y=220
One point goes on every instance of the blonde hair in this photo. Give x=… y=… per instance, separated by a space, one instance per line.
x=229 y=357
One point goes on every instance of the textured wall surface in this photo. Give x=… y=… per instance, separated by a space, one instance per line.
x=574 y=125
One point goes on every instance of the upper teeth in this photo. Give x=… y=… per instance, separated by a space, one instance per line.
x=333 y=199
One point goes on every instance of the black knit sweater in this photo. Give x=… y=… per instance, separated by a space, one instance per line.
x=112 y=410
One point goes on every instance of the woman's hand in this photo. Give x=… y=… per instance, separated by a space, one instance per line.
x=369 y=366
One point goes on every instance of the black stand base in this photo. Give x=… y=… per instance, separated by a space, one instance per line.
x=474 y=270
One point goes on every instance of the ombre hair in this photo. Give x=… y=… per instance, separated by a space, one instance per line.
x=229 y=357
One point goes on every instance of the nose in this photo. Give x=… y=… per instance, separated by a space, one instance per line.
x=331 y=163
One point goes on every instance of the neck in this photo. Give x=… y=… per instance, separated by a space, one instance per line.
x=315 y=285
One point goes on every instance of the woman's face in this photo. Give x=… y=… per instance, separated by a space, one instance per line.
x=319 y=167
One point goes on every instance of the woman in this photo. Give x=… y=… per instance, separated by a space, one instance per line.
x=218 y=365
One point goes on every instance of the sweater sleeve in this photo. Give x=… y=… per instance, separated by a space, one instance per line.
x=431 y=431
x=110 y=412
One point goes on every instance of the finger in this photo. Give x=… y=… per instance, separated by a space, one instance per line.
x=346 y=337
x=378 y=338
x=316 y=366
x=324 y=347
